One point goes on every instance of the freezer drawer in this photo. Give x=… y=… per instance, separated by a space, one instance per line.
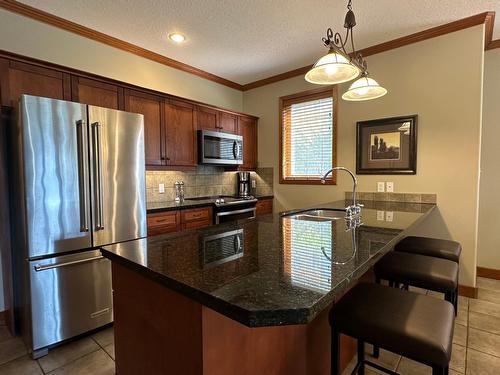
x=70 y=295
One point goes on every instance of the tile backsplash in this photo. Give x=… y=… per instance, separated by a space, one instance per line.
x=202 y=182
x=394 y=197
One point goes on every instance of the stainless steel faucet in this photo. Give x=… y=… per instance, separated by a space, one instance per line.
x=354 y=209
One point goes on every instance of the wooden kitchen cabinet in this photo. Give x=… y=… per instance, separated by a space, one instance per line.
x=18 y=78
x=151 y=106
x=247 y=128
x=228 y=122
x=207 y=118
x=180 y=126
x=264 y=206
x=163 y=222
x=93 y=92
x=196 y=218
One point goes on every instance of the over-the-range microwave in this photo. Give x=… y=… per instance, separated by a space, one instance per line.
x=220 y=148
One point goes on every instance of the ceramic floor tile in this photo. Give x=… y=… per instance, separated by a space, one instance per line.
x=489 y=284
x=489 y=295
x=386 y=359
x=460 y=335
x=110 y=349
x=96 y=363
x=11 y=349
x=482 y=364
x=4 y=334
x=463 y=303
x=21 y=366
x=484 y=342
x=462 y=317
x=485 y=322
x=484 y=307
x=417 y=290
x=409 y=367
x=104 y=337
x=67 y=353
x=458 y=355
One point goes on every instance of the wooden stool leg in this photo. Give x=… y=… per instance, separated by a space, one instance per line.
x=335 y=353
x=361 y=357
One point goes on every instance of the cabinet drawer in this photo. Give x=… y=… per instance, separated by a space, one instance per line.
x=197 y=214
x=264 y=206
x=163 y=222
x=196 y=224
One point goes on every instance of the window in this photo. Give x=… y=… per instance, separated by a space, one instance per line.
x=308 y=136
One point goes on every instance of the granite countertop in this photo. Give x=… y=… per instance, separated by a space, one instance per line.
x=271 y=270
x=187 y=203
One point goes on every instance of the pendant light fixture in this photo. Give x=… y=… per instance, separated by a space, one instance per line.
x=339 y=66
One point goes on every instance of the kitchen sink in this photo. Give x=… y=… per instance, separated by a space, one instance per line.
x=321 y=214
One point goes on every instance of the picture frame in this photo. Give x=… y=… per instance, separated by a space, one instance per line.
x=387 y=146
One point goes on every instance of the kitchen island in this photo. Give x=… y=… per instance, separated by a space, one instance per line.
x=247 y=297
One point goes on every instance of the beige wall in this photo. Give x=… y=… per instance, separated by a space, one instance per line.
x=38 y=40
x=488 y=250
x=443 y=85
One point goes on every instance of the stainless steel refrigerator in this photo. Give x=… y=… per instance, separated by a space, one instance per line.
x=77 y=184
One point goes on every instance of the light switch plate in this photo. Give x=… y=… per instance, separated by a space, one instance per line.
x=380 y=215
x=161 y=188
x=389 y=187
x=380 y=187
x=389 y=216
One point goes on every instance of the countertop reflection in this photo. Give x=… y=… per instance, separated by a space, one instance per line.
x=272 y=270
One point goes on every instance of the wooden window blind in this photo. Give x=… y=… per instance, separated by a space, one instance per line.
x=307 y=136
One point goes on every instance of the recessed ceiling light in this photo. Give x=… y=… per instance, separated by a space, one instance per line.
x=177 y=37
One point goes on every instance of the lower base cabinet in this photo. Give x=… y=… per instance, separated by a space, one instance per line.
x=264 y=206
x=175 y=221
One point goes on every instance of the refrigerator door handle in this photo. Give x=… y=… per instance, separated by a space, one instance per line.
x=84 y=226
x=40 y=267
x=98 y=199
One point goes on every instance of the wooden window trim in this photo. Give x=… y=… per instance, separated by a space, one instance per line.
x=319 y=93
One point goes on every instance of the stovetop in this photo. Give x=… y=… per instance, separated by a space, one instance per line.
x=223 y=200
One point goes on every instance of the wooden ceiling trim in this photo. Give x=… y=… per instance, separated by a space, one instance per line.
x=39 y=15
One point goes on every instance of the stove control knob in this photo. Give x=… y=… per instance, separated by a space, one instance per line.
x=217 y=201
x=221 y=200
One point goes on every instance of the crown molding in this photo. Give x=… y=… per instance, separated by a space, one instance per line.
x=39 y=15
x=486 y=18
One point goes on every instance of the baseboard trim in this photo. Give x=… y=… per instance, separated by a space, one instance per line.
x=467 y=291
x=489 y=273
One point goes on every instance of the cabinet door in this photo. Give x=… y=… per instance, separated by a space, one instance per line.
x=207 y=118
x=92 y=92
x=247 y=128
x=18 y=78
x=151 y=107
x=228 y=122
x=180 y=128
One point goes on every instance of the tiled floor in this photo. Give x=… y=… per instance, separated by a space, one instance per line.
x=476 y=343
x=476 y=346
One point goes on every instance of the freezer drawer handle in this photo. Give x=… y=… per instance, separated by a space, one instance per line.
x=96 y=132
x=100 y=312
x=40 y=267
x=84 y=227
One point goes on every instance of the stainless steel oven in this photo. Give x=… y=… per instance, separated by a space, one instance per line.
x=235 y=213
x=220 y=148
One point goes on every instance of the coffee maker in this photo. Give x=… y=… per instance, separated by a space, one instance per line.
x=243 y=184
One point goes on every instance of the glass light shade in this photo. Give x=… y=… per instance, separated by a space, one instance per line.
x=331 y=69
x=364 y=88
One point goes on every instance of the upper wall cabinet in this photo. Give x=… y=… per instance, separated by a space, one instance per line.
x=151 y=106
x=17 y=78
x=247 y=128
x=207 y=118
x=93 y=92
x=180 y=126
x=228 y=122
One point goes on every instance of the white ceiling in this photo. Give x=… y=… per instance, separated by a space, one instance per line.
x=247 y=40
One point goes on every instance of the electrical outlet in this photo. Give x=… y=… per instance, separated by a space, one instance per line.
x=161 y=188
x=389 y=216
x=380 y=187
x=389 y=187
x=254 y=184
x=380 y=215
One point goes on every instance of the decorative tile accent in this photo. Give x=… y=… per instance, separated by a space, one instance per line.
x=394 y=197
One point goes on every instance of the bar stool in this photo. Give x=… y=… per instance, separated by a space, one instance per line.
x=409 y=324
x=427 y=272
x=433 y=247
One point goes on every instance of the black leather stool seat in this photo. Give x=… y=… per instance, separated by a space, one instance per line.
x=433 y=247
x=440 y=275
x=413 y=325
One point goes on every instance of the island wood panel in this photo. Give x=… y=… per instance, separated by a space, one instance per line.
x=158 y=331
x=151 y=106
x=93 y=92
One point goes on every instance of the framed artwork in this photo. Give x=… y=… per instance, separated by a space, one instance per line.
x=387 y=146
